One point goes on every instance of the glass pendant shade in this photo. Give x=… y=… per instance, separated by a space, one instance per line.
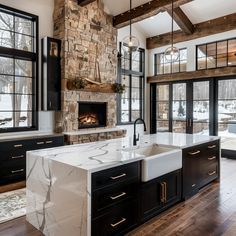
x=171 y=54
x=130 y=44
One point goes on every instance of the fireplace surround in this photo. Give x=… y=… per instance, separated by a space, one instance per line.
x=92 y=114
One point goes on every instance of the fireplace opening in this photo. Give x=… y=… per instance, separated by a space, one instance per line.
x=92 y=114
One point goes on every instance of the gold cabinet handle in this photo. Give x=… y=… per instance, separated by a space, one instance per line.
x=118 y=196
x=165 y=190
x=50 y=141
x=118 y=176
x=118 y=223
x=211 y=146
x=17 y=157
x=18 y=145
x=162 y=192
x=17 y=171
x=211 y=173
x=40 y=143
x=194 y=153
x=211 y=158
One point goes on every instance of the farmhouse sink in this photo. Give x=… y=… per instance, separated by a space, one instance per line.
x=158 y=160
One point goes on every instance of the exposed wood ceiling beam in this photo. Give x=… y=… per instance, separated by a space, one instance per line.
x=219 y=72
x=218 y=25
x=144 y=11
x=84 y=2
x=182 y=20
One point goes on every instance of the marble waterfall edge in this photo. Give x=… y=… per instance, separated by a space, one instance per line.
x=57 y=197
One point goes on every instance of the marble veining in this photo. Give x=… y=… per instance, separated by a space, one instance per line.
x=59 y=179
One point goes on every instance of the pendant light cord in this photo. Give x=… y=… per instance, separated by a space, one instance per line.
x=130 y=7
x=172 y=23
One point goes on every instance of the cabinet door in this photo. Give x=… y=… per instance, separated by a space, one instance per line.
x=150 y=199
x=160 y=193
x=171 y=188
x=191 y=171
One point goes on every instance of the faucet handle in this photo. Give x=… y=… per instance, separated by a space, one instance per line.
x=137 y=138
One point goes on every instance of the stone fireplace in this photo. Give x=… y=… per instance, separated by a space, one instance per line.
x=92 y=114
x=83 y=46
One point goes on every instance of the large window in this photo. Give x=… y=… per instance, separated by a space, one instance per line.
x=131 y=73
x=18 y=70
x=216 y=54
x=162 y=66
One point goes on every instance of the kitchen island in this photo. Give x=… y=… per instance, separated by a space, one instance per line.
x=67 y=187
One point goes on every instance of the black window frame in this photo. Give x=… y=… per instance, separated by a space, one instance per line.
x=216 y=54
x=32 y=56
x=170 y=63
x=131 y=73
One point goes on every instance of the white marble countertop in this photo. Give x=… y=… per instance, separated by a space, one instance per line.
x=101 y=155
x=27 y=134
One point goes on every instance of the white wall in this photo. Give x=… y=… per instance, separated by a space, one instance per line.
x=191 y=49
x=142 y=39
x=43 y=9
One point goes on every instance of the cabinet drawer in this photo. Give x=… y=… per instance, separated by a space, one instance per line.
x=210 y=173
x=16 y=169
x=107 y=197
x=211 y=148
x=116 y=175
x=117 y=221
x=12 y=155
x=49 y=142
x=13 y=146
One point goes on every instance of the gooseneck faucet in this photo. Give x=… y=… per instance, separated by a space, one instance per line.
x=135 y=139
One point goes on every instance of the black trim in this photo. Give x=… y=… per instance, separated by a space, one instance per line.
x=131 y=73
x=216 y=54
x=28 y=56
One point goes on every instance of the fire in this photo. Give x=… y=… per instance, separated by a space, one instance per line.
x=88 y=119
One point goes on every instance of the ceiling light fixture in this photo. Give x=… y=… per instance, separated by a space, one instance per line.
x=172 y=52
x=130 y=43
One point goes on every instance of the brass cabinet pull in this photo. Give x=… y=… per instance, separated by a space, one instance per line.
x=211 y=158
x=17 y=171
x=211 y=173
x=118 y=223
x=47 y=142
x=18 y=145
x=211 y=146
x=40 y=143
x=165 y=189
x=162 y=192
x=118 y=176
x=194 y=153
x=118 y=196
x=17 y=157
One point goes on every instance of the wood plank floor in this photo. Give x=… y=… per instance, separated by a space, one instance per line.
x=212 y=212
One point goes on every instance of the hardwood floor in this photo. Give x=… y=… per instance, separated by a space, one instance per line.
x=212 y=212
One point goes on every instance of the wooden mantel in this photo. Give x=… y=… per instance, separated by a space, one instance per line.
x=84 y=2
x=200 y=74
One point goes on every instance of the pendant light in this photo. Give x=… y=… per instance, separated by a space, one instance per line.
x=172 y=52
x=130 y=43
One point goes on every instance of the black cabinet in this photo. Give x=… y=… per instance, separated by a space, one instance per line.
x=51 y=74
x=200 y=167
x=13 y=155
x=115 y=200
x=160 y=193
